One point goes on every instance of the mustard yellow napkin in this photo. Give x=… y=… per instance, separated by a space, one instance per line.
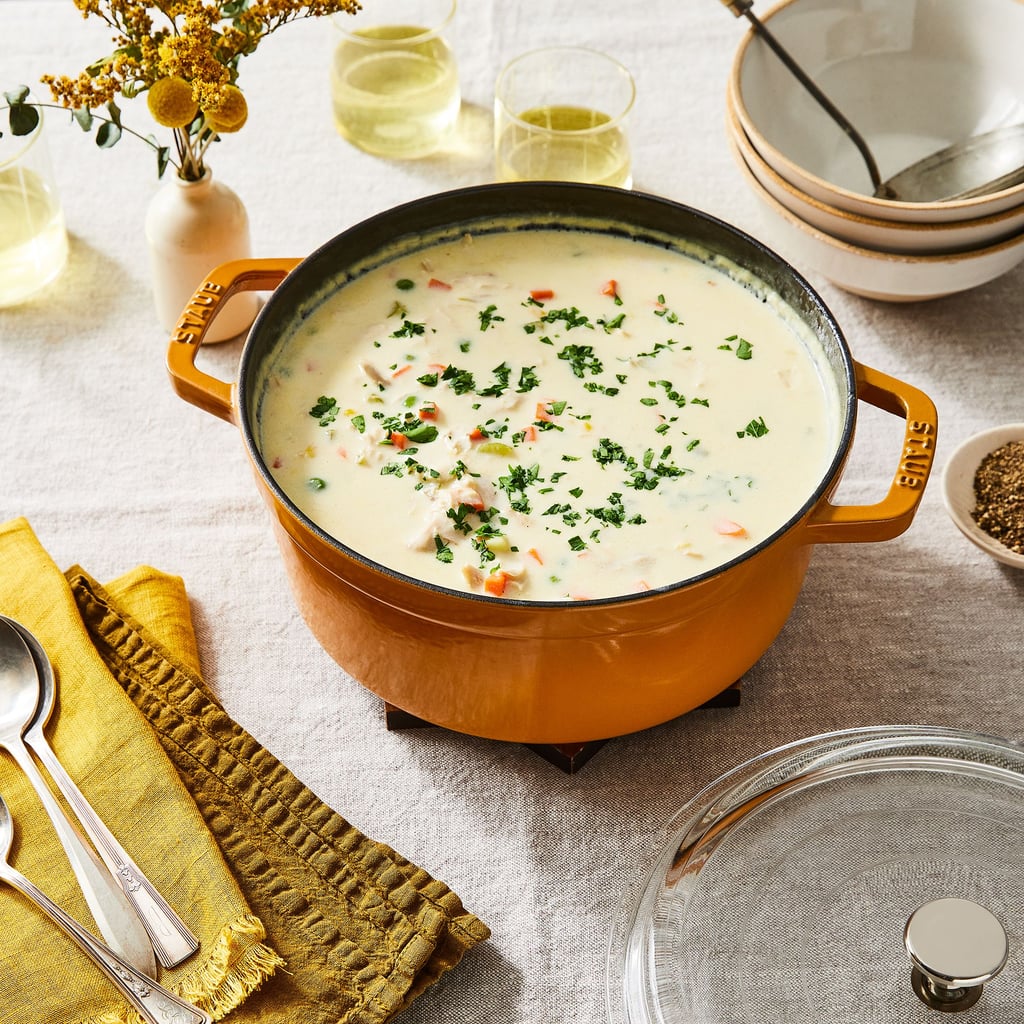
x=301 y=917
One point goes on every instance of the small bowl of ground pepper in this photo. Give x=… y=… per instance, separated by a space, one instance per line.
x=983 y=488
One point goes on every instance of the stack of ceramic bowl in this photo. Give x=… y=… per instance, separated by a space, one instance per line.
x=912 y=77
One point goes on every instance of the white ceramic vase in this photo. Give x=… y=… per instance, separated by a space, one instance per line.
x=192 y=227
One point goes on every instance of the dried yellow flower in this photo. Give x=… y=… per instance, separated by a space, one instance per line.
x=230 y=113
x=171 y=104
x=194 y=44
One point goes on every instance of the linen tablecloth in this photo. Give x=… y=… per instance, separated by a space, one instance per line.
x=112 y=470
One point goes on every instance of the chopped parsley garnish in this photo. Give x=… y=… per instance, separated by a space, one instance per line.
x=479 y=541
x=528 y=380
x=744 y=350
x=443 y=551
x=664 y=312
x=570 y=317
x=614 y=514
x=613 y=324
x=670 y=392
x=460 y=381
x=404 y=284
x=489 y=316
x=359 y=422
x=755 y=428
x=659 y=346
x=515 y=484
x=458 y=517
x=581 y=359
x=410 y=426
x=501 y=373
x=316 y=483
x=325 y=410
x=409 y=330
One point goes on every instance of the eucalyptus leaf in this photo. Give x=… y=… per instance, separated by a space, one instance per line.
x=115 y=114
x=83 y=117
x=24 y=118
x=97 y=67
x=17 y=96
x=108 y=134
x=163 y=158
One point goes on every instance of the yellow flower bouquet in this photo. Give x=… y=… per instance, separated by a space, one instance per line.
x=184 y=55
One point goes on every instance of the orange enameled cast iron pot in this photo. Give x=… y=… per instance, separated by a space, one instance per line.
x=542 y=672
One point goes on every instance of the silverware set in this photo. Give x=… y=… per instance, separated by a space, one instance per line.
x=138 y=925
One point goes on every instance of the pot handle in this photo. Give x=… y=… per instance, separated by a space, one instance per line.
x=888 y=518
x=189 y=382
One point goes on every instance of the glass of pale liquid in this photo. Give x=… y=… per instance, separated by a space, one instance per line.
x=394 y=83
x=560 y=115
x=33 y=238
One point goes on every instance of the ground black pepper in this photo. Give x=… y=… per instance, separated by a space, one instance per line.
x=999 y=495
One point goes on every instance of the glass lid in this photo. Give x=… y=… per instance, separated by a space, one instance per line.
x=873 y=876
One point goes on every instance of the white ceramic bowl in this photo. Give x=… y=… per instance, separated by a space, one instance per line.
x=873 y=273
x=913 y=76
x=958 y=488
x=872 y=232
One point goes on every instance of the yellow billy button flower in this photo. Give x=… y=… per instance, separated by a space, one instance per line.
x=171 y=104
x=230 y=113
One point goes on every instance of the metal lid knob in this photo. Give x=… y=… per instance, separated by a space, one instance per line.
x=956 y=946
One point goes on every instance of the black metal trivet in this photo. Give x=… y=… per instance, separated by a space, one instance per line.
x=570 y=757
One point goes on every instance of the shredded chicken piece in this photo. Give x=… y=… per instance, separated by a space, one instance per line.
x=473 y=576
x=372 y=373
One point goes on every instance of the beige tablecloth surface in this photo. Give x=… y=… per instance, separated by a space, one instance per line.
x=112 y=470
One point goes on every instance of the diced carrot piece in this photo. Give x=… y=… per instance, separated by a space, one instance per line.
x=401 y=370
x=530 y=433
x=496 y=582
x=534 y=553
x=400 y=441
x=343 y=452
x=434 y=283
x=543 y=412
x=611 y=288
x=437 y=367
x=476 y=434
x=728 y=528
x=541 y=293
x=428 y=411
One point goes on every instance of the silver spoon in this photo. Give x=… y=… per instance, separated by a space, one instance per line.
x=973 y=167
x=114 y=915
x=172 y=940
x=153 y=1002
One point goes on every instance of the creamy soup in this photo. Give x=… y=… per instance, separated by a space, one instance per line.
x=549 y=415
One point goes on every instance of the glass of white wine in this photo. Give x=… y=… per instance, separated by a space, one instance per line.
x=560 y=115
x=394 y=82
x=33 y=237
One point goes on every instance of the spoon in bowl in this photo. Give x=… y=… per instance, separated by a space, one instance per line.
x=113 y=914
x=977 y=166
x=155 y=1004
x=171 y=939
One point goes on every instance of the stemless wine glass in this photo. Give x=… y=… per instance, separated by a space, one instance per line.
x=33 y=238
x=560 y=114
x=394 y=83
